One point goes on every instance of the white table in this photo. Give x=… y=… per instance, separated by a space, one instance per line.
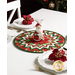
x=20 y=62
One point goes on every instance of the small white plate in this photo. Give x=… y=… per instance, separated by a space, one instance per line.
x=18 y=23
x=46 y=64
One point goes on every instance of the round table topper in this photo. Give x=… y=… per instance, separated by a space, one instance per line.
x=25 y=41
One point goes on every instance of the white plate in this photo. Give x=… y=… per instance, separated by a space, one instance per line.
x=18 y=23
x=46 y=64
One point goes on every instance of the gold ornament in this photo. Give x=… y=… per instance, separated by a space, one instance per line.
x=58 y=1
x=58 y=66
x=64 y=7
x=52 y=5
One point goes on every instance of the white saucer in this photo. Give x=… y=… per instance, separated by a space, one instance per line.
x=18 y=23
x=46 y=64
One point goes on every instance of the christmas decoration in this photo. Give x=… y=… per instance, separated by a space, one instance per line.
x=27 y=20
x=58 y=66
x=58 y=5
x=51 y=5
x=45 y=0
x=25 y=41
x=38 y=34
x=58 y=55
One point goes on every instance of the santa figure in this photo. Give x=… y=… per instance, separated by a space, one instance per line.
x=38 y=34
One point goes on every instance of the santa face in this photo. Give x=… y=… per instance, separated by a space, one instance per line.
x=38 y=29
x=39 y=33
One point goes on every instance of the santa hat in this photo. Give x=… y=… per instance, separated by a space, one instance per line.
x=38 y=24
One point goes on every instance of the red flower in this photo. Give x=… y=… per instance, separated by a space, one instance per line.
x=24 y=16
x=32 y=19
x=29 y=16
x=54 y=51
x=24 y=22
x=63 y=58
x=55 y=59
x=27 y=20
x=57 y=55
x=51 y=57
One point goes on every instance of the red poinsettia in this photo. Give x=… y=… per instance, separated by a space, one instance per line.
x=57 y=55
x=27 y=20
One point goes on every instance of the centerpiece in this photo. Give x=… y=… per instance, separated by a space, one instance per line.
x=38 y=40
x=38 y=34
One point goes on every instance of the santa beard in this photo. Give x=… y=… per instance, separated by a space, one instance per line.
x=40 y=33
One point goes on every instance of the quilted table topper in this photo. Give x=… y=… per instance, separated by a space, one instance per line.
x=25 y=41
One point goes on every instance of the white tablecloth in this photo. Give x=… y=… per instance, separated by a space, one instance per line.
x=22 y=63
